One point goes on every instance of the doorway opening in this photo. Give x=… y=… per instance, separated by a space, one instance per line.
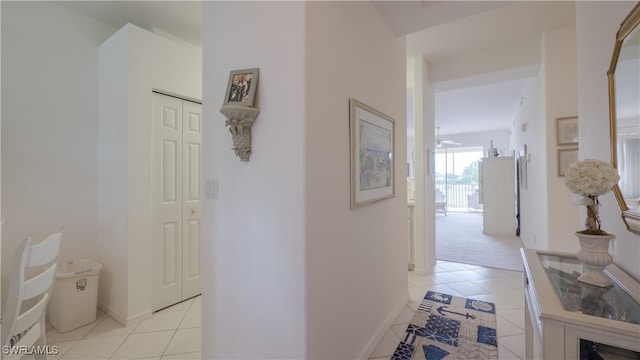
x=456 y=177
x=460 y=235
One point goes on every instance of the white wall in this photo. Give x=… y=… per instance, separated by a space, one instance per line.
x=356 y=259
x=501 y=140
x=254 y=235
x=112 y=247
x=520 y=54
x=559 y=58
x=49 y=127
x=424 y=183
x=547 y=222
x=50 y=139
x=133 y=63
x=531 y=204
x=290 y=263
x=597 y=24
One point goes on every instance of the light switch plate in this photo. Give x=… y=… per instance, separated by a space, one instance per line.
x=211 y=189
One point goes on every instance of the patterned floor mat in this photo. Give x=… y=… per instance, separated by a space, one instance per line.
x=450 y=327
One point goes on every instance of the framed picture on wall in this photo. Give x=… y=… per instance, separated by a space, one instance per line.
x=522 y=169
x=241 y=87
x=372 y=145
x=567 y=130
x=566 y=157
x=431 y=160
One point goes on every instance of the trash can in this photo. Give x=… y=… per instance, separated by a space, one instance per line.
x=74 y=299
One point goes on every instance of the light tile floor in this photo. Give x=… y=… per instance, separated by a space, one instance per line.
x=173 y=333
x=501 y=287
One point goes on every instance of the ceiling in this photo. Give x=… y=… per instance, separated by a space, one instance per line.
x=441 y=31
x=181 y=19
x=454 y=34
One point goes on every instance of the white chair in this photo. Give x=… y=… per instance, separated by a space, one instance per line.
x=23 y=322
x=441 y=202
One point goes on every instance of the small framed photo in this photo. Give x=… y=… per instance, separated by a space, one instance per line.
x=241 y=88
x=566 y=157
x=567 y=130
x=372 y=154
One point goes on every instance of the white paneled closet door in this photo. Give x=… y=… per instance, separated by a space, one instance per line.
x=176 y=166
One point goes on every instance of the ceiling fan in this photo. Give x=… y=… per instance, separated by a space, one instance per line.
x=444 y=143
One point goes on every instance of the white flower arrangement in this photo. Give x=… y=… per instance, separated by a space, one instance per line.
x=589 y=179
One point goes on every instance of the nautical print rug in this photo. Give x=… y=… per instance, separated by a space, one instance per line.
x=450 y=327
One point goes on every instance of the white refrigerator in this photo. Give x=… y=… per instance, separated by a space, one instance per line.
x=497 y=178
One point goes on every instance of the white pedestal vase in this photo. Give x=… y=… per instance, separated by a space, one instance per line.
x=594 y=255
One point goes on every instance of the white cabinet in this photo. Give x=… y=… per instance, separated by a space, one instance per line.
x=567 y=319
x=498 y=195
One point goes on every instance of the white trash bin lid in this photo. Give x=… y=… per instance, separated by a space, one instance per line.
x=72 y=268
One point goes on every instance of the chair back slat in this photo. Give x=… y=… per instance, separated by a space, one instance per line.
x=45 y=251
x=31 y=316
x=39 y=283
x=29 y=322
x=30 y=337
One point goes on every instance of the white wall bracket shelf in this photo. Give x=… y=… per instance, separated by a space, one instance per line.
x=240 y=118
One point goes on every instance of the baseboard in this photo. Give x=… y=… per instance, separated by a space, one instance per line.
x=139 y=317
x=371 y=346
x=113 y=313
x=121 y=319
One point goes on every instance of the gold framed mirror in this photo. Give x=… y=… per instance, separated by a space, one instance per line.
x=624 y=117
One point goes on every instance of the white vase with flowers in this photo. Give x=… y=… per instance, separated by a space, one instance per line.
x=588 y=179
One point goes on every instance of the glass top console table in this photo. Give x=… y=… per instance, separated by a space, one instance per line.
x=567 y=319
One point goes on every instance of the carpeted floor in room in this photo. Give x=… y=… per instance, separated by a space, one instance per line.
x=459 y=238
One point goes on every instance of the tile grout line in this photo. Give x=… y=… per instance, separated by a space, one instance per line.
x=176 y=330
x=86 y=337
x=80 y=339
x=124 y=340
